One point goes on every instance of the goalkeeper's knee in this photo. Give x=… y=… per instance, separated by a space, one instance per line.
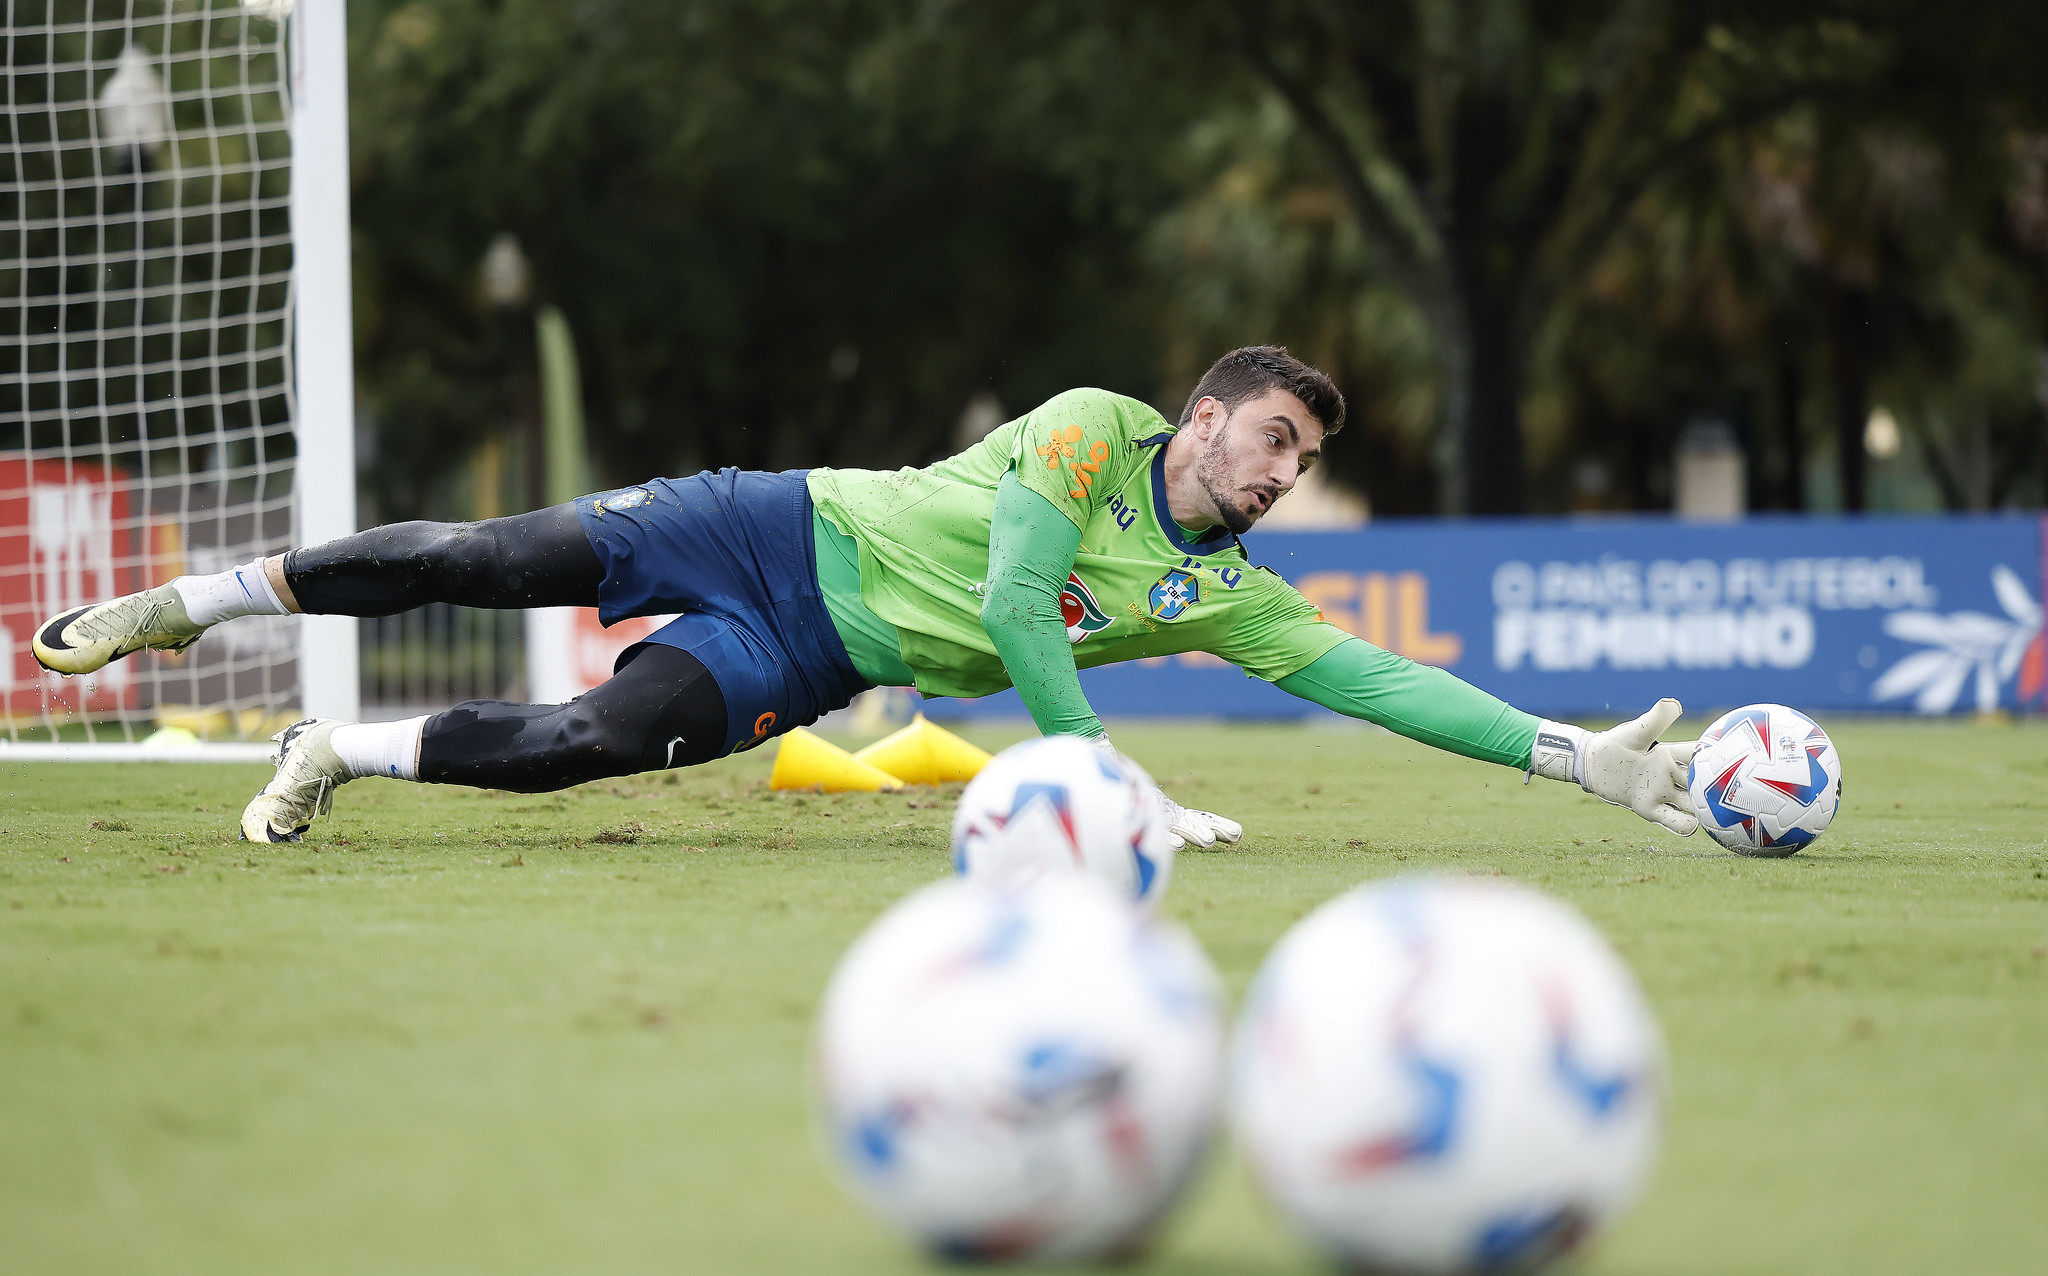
x=582 y=741
x=663 y=709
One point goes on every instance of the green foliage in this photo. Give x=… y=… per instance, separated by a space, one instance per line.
x=1261 y=249
x=1521 y=236
x=1834 y=259
x=778 y=234
x=145 y=255
x=462 y=1031
x=1498 y=157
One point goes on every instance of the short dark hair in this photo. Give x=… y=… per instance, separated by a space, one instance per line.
x=1245 y=374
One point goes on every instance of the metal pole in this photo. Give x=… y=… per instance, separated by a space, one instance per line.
x=324 y=352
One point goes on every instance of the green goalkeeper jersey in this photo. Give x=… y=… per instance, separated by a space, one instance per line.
x=1140 y=586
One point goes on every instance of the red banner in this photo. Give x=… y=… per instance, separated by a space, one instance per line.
x=69 y=535
x=568 y=652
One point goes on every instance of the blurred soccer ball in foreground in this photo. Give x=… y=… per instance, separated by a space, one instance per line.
x=1443 y=1075
x=1020 y=1073
x=1060 y=803
x=1765 y=780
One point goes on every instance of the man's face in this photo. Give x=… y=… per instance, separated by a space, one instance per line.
x=1255 y=454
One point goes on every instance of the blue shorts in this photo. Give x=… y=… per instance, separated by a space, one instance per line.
x=733 y=551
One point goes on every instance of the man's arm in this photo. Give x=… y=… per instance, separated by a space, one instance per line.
x=1031 y=548
x=1625 y=766
x=1421 y=702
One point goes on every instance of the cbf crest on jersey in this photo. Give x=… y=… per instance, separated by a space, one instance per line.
x=1078 y=608
x=1174 y=593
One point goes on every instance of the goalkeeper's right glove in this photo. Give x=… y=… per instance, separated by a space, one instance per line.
x=1624 y=765
x=1198 y=828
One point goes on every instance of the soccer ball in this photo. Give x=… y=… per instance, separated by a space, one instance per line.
x=1059 y=803
x=1765 y=780
x=1440 y=1075
x=1020 y=1073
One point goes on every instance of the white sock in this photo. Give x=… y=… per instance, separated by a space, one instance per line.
x=380 y=748
x=240 y=591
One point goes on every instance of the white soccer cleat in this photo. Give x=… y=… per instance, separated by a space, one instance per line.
x=88 y=638
x=308 y=769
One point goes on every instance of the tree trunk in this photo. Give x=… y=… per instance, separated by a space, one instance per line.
x=1849 y=325
x=1792 y=450
x=1495 y=479
x=1454 y=409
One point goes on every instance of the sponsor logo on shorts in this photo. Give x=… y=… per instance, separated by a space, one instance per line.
x=763 y=727
x=630 y=499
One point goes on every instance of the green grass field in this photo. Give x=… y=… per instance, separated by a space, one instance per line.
x=468 y=1032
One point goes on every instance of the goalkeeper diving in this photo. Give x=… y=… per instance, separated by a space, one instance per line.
x=1087 y=532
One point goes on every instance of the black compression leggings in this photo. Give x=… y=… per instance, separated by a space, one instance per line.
x=541 y=559
x=661 y=709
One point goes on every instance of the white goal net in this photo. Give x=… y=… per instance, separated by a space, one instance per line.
x=146 y=379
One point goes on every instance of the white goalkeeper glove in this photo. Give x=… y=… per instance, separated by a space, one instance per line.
x=1625 y=765
x=1189 y=827
x=1198 y=828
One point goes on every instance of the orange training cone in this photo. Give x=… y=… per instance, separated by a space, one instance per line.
x=805 y=761
x=925 y=753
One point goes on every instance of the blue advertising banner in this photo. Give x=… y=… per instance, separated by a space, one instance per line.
x=1603 y=616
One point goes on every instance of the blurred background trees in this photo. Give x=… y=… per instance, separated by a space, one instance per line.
x=1545 y=249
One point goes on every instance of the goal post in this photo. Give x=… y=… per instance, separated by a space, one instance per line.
x=176 y=389
x=325 y=420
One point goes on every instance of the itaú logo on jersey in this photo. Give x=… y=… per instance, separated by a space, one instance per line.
x=1079 y=609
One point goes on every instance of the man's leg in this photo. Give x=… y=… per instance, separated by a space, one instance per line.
x=541 y=559
x=663 y=709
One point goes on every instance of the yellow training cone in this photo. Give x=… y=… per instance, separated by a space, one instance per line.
x=925 y=753
x=805 y=761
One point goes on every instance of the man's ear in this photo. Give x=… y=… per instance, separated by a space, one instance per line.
x=1209 y=415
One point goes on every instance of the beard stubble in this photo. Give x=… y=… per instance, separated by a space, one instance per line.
x=1227 y=502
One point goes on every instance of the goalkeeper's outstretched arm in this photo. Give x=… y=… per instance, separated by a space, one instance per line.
x=1625 y=766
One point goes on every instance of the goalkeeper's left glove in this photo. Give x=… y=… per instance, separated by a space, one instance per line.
x=1189 y=827
x=1625 y=765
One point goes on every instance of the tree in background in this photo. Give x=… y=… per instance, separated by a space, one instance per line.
x=1261 y=249
x=1519 y=235
x=1854 y=262
x=1490 y=151
x=776 y=242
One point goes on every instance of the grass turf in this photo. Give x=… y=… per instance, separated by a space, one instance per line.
x=467 y=1032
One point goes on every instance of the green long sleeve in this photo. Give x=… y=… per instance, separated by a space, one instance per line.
x=1423 y=703
x=1031 y=548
